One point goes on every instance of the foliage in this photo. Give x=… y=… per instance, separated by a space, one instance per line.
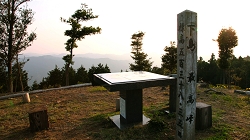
x=54 y=78
x=240 y=72
x=14 y=37
x=227 y=40
x=141 y=61
x=247 y=58
x=3 y=75
x=157 y=70
x=169 y=59
x=35 y=86
x=77 y=33
x=20 y=79
x=213 y=70
x=71 y=74
x=82 y=75
x=96 y=70
x=44 y=83
x=201 y=70
x=209 y=72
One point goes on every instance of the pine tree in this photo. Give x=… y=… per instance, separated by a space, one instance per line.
x=169 y=59
x=77 y=33
x=141 y=61
x=55 y=77
x=82 y=75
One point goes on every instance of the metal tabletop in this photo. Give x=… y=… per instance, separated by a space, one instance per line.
x=132 y=80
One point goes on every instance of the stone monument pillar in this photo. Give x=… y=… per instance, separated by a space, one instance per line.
x=186 y=75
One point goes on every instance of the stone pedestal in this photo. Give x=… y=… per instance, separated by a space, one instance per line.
x=203 y=116
x=131 y=106
x=130 y=109
x=38 y=119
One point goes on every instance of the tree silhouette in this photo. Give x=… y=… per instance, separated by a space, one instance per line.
x=3 y=76
x=96 y=70
x=227 y=40
x=20 y=76
x=55 y=77
x=71 y=74
x=35 y=86
x=141 y=61
x=77 y=33
x=169 y=59
x=82 y=75
x=14 y=37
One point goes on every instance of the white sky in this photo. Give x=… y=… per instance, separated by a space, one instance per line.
x=120 y=19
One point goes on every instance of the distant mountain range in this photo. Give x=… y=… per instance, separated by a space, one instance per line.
x=39 y=66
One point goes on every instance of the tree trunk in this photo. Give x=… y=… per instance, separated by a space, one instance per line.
x=10 y=79
x=224 y=77
x=67 y=74
x=19 y=73
x=9 y=63
x=229 y=79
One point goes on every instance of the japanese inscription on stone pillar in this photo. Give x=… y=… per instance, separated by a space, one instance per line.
x=186 y=75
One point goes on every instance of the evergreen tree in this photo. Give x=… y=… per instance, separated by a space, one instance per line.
x=157 y=70
x=44 y=83
x=240 y=72
x=213 y=71
x=72 y=75
x=141 y=61
x=96 y=70
x=227 y=40
x=77 y=33
x=202 y=70
x=169 y=59
x=54 y=78
x=35 y=86
x=82 y=75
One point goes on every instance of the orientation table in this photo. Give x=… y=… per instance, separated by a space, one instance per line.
x=130 y=85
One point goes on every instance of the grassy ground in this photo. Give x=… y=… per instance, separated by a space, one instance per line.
x=83 y=113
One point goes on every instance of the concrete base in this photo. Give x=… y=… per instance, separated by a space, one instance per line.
x=116 y=120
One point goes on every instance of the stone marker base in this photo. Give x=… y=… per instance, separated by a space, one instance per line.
x=38 y=119
x=26 y=98
x=116 y=120
x=203 y=116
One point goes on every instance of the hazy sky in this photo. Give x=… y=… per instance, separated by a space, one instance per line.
x=120 y=19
